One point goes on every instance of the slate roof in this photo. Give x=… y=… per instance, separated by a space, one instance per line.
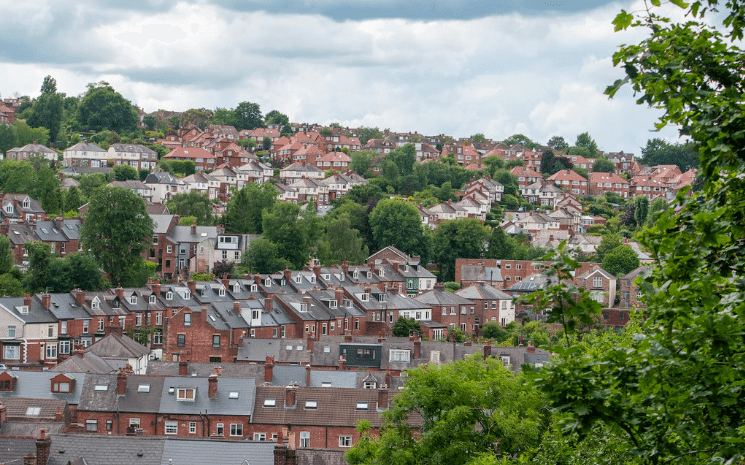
x=116 y=346
x=85 y=363
x=183 y=451
x=229 y=370
x=219 y=405
x=100 y=449
x=12 y=450
x=483 y=292
x=442 y=297
x=29 y=429
x=37 y=385
x=17 y=408
x=480 y=273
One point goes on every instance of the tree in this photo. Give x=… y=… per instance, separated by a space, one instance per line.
x=557 y=143
x=275 y=117
x=499 y=245
x=641 y=210
x=656 y=208
x=403 y=327
x=245 y=209
x=39 y=265
x=620 y=261
x=365 y=134
x=396 y=222
x=6 y=255
x=342 y=243
x=117 y=229
x=607 y=243
x=286 y=131
x=25 y=134
x=584 y=140
x=282 y=226
x=224 y=116
x=493 y=330
x=478 y=138
x=248 y=116
x=603 y=165
x=361 y=161
x=149 y=121
x=193 y=204
x=89 y=183
x=519 y=139
x=469 y=409
x=125 y=173
x=73 y=199
x=660 y=152
x=47 y=109
x=671 y=393
x=199 y=117
x=262 y=256
x=461 y=238
x=104 y=108
x=551 y=164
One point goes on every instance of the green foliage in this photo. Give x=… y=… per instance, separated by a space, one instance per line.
x=403 y=327
x=660 y=152
x=656 y=208
x=341 y=243
x=275 y=117
x=248 y=116
x=362 y=160
x=6 y=255
x=286 y=131
x=117 y=229
x=365 y=134
x=641 y=210
x=493 y=330
x=396 y=222
x=470 y=409
x=48 y=108
x=125 y=173
x=245 y=209
x=104 y=108
x=90 y=182
x=292 y=236
x=10 y=286
x=603 y=165
x=149 y=121
x=520 y=139
x=584 y=140
x=478 y=138
x=557 y=143
x=551 y=164
x=326 y=132
x=607 y=243
x=224 y=116
x=451 y=286
x=193 y=204
x=581 y=171
x=199 y=117
x=262 y=256
x=178 y=167
x=461 y=238
x=39 y=265
x=21 y=177
x=620 y=261
x=202 y=276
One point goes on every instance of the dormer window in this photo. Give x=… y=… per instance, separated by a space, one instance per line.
x=186 y=394
x=297 y=279
x=236 y=287
x=152 y=299
x=169 y=295
x=133 y=299
x=364 y=297
x=312 y=278
x=187 y=294
x=254 y=287
x=355 y=274
x=9 y=208
x=23 y=309
x=26 y=203
x=268 y=282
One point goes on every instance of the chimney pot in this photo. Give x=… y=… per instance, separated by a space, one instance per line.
x=183 y=368
x=121 y=382
x=212 y=386
x=290 y=395
x=342 y=363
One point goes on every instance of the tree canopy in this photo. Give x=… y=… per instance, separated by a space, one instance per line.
x=104 y=108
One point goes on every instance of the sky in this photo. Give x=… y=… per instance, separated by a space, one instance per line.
x=454 y=67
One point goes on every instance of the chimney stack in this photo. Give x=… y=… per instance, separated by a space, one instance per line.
x=113 y=329
x=212 y=386
x=339 y=296
x=487 y=349
x=309 y=344
x=290 y=395
x=347 y=337
x=288 y=274
x=383 y=398
x=237 y=307
x=183 y=366
x=42 y=447
x=58 y=413
x=156 y=288
x=46 y=301
x=121 y=382
x=269 y=304
x=192 y=286
x=27 y=300
x=342 y=363
x=225 y=281
x=268 y=369
x=119 y=291
x=194 y=228
x=417 y=349
x=531 y=347
x=307 y=375
x=388 y=377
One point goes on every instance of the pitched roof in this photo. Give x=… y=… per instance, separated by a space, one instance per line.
x=116 y=346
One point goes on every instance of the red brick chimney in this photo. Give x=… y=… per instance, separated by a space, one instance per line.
x=42 y=447
x=183 y=367
x=288 y=274
x=487 y=349
x=156 y=288
x=342 y=363
x=417 y=349
x=121 y=382
x=225 y=281
x=307 y=375
x=269 y=304
x=269 y=369
x=339 y=296
x=388 y=377
x=383 y=398
x=27 y=300
x=119 y=291
x=192 y=286
x=194 y=228
x=531 y=347
x=309 y=343
x=79 y=297
x=317 y=272
x=345 y=267
x=213 y=386
x=113 y=329
x=290 y=395
x=58 y=413
x=347 y=337
x=46 y=301
x=237 y=307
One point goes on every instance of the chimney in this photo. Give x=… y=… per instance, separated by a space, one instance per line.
x=121 y=382
x=29 y=459
x=156 y=288
x=290 y=395
x=521 y=341
x=58 y=413
x=269 y=304
x=383 y=398
x=225 y=281
x=347 y=337
x=531 y=347
x=342 y=363
x=212 y=386
x=58 y=221
x=417 y=349
x=192 y=286
x=268 y=369
x=183 y=367
x=388 y=377
x=317 y=271
x=339 y=296
x=113 y=329
x=194 y=228
x=288 y=274
x=310 y=344
x=42 y=447
x=345 y=267
x=4 y=228
x=237 y=307
x=119 y=291
x=487 y=349
x=27 y=300
x=307 y=375
x=46 y=301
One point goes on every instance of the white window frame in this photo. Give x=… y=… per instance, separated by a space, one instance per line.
x=171 y=428
x=345 y=441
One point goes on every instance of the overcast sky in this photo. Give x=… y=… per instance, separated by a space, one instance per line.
x=457 y=67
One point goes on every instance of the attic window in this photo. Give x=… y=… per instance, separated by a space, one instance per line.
x=26 y=203
x=311 y=404
x=288 y=348
x=143 y=388
x=23 y=309
x=33 y=411
x=361 y=405
x=96 y=304
x=101 y=387
x=152 y=299
x=236 y=287
x=327 y=277
x=185 y=394
x=299 y=347
x=268 y=282
x=270 y=403
x=254 y=288
x=169 y=295
x=364 y=297
x=233 y=395
x=326 y=349
x=326 y=384
x=221 y=292
x=212 y=317
x=133 y=299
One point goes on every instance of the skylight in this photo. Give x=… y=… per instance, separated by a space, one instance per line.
x=101 y=387
x=33 y=411
x=311 y=404
x=270 y=403
x=143 y=388
x=233 y=395
x=361 y=405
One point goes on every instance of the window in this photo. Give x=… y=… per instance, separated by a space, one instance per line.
x=169 y=295
x=192 y=427
x=270 y=403
x=158 y=318
x=304 y=438
x=397 y=355
x=152 y=299
x=134 y=422
x=138 y=319
x=444 y=310
x=361 y=405
x=185 y=394
x=100 y=326
x=345 y=441
x=158 y=337
x=11 y=331
x=64 y=347
x=91 y=425
x=169 y=249
x=11 y=352
x=171 y=427
x=452 y=310
x=220 y=429
x=597 y=281
x=143 y=388
x=216 y=341
x=133 y=299
x=51 y=350
x=187 y=319
x=311 y=404
x=236 y=429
